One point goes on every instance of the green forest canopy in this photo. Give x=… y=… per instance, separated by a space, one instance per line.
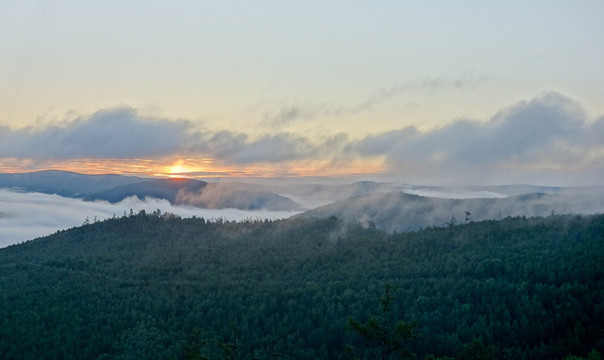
x=157 y=286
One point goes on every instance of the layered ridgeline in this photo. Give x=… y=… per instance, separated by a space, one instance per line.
x=115 y=188
x=389 y=206
x=400 y=211
x=153 y=286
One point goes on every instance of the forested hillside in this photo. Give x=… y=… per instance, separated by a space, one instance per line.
x=399 y=211
x=153 y=286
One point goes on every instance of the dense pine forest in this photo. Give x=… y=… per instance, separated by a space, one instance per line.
x=155 y=286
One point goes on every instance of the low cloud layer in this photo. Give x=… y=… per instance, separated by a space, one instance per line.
x=398 y=211
x=548 y=133
x=25 y=216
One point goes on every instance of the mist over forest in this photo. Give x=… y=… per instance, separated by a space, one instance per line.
x=300 y=288
x=40 y=203
x=26 y=216
x=205 y=180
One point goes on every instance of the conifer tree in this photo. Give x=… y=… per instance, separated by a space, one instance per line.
x=383 y=332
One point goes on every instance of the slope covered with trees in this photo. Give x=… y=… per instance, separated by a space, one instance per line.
x=156 y=286
x=399 y=211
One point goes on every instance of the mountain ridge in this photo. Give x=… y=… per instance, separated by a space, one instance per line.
x=156 y=286
x=399 y=211
x=178 y=191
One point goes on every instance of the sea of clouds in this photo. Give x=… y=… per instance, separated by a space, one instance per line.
x=26 y=216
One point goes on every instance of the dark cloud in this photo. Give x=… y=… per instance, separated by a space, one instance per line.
x=276 y=148
x=115 y=133
x=237 y=148
x=550 y=129
x=121 y=134
x=595 y=134
x=384 y=143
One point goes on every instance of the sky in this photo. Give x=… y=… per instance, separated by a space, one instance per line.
x=432 y=91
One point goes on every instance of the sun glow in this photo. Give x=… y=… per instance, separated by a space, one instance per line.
x=191 y=168
x=178 y=169
x=198 y=168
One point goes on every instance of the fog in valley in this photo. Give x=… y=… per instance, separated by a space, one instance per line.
x=25 y=216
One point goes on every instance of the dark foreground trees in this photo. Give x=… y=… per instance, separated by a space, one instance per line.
x=383 y=332
x=139 y=286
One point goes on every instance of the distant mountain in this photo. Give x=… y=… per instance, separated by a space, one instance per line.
x=332 y=191
x=64 y=183
x=390 y=206
x=157 y=188
x=512 y=190
x=201 y=194
x=236 y=196
x=398 y=211
x=115 y=188
x=316 y=194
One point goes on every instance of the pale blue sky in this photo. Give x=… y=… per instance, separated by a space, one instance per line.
x=308 y=68
x=236 y=61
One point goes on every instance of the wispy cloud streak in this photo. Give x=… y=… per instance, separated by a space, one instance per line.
x=428 y=86
x=291 y=112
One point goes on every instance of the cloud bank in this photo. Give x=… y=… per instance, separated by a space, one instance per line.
x=121 y=133
x=115 y=133
x=25 y=216
x=550 y=132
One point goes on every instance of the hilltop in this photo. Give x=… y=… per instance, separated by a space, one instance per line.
x=156 y=286
x=399 y=211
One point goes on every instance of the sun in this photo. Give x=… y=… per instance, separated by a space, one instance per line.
x=179 y=170
x=188 y=168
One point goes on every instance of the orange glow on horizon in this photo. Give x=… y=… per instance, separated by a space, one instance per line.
x=179 y=170
x=195 y=168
